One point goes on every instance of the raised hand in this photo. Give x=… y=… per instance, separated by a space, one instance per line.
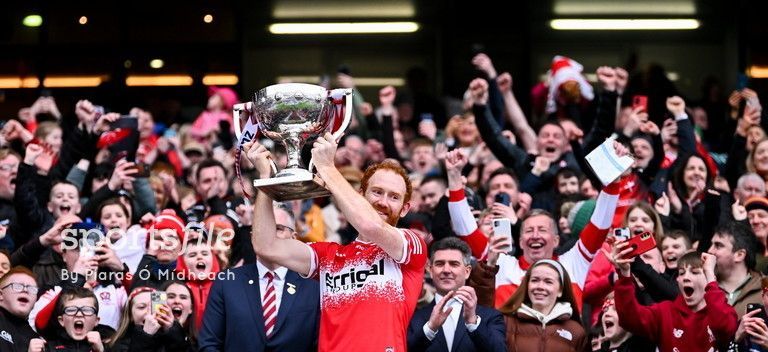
x=34 y=151
x=469 y=298
x=483 y=63
x=709 y=261
x=440 y=312
x=498 y=245
x=676 y=105
x=504 y=81
x=324 y=151
x=668 y=130
x=618 y=258
x=94 y=339
x=260 y=157
x=478 y=88
x=14 y=130
x=124 y=171
x=540 y=165
x=662 y=205
x=607 y=77
x=455 y=161
x=151 y=325
x=674 y=201
x=524 y=201
x=650 y=128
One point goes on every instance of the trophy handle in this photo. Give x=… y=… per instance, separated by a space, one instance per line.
x=344 y=123
x=237 y=110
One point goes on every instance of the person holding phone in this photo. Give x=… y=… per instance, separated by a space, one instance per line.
x=752 y=334
x=699 y=319
x=142 y=329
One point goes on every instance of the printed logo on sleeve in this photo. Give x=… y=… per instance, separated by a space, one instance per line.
x=565 y=334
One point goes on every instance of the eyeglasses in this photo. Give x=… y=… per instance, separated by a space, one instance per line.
x=282 y=228
x=18 y=288
x=8 y=167
x=87 y=311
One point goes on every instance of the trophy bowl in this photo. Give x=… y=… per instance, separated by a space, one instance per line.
x=295 y=114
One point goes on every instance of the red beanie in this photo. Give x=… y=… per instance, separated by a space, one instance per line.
x=169 y=220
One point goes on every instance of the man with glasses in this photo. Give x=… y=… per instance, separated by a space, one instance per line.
x=18 y=291
x=9 y=166
x=280 y=309
x=77 y=310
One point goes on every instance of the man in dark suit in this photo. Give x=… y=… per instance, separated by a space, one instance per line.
x=454 y=321
x=265 y=307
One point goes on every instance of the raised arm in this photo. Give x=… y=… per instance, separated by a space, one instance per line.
x=462 y=221
x=358 y=211
x=290 y=253
x=515 y=114
x=508 y=153
x=634 y=317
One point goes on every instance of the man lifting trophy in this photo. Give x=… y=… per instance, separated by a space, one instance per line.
x=294 y=114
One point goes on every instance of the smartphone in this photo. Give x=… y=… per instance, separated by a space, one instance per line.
x=640 y=101
x=621 y=234
x=502 y=198
x=425 y=116
x=741 y=81
x=169 y=133
x=159 y=299
x=762 y=314
x=641 y=243
x=503 y=227
x=142 y=170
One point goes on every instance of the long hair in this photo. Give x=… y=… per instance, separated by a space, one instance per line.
x=751 y=159
x=678 y=180
x=190 y=326
x=520 y=296
x=658 y=229
x=126 y=318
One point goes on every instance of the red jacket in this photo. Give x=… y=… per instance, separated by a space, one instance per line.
x=199 y=287
x=672 y=325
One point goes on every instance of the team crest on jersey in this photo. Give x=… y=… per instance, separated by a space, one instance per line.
x=105 y=297
x=565 y=334
x=389 y=349
x=6 y=336
x=678 y=333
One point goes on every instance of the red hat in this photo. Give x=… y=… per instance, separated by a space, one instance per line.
x=169 y=220
x=565 y=69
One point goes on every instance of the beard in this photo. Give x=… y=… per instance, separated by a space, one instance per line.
x=391 y=217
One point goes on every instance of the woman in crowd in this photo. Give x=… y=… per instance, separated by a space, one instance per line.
x=145 y=327
x=542 y=315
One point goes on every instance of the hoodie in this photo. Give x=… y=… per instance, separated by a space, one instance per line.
x=200 y=287
x=530 y=330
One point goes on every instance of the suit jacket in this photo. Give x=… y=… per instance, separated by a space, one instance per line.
x=233 y=319
x=488 y=337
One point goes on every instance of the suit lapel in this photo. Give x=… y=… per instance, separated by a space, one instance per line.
x=291 y=280
x=253 y=296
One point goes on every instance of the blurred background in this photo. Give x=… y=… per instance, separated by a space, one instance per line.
x=162 y=55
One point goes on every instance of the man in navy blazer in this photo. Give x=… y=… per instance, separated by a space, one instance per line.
x=453 y=321
x=234 y=316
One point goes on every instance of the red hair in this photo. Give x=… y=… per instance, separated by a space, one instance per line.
x=390 y=165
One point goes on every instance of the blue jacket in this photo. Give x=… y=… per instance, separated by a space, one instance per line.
x=488 y=337
x=233 y=319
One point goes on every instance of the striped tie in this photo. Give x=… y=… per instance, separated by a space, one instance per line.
x=270 y=305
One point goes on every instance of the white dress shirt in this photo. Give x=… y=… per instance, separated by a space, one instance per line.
x=278 y=281
x=449 y=326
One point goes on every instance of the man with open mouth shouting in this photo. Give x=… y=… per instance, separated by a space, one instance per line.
x=700 y=319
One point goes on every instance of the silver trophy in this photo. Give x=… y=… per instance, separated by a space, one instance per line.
x=294 y=114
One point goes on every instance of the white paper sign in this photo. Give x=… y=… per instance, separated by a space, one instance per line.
x=606 y=164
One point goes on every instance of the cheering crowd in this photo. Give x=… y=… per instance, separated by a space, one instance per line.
x=450 y=227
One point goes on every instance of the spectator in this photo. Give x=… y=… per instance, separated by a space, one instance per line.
x=294 y=324
x=734 y=247
x=182 y=308
x=544 y=301
x=199 y=269
x=18 y=291
x=752 y=334
x=465 y=326
x=394 y=258
x=700 y=319
x=77 y=316
x=164 y=244
x=144 y=327
x=749 y=185
x=673 y=246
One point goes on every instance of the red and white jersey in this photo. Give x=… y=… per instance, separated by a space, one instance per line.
x=576 y=261
x=366 y=297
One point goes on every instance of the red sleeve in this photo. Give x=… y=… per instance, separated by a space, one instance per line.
x=414 y=251
x=635 y=318
x=173 y=158
x=464 y=225
x=319 y=256
x=721 y=316
x=598 y=285
x=593 y=235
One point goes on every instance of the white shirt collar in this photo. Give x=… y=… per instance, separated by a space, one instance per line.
x=280 y=272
